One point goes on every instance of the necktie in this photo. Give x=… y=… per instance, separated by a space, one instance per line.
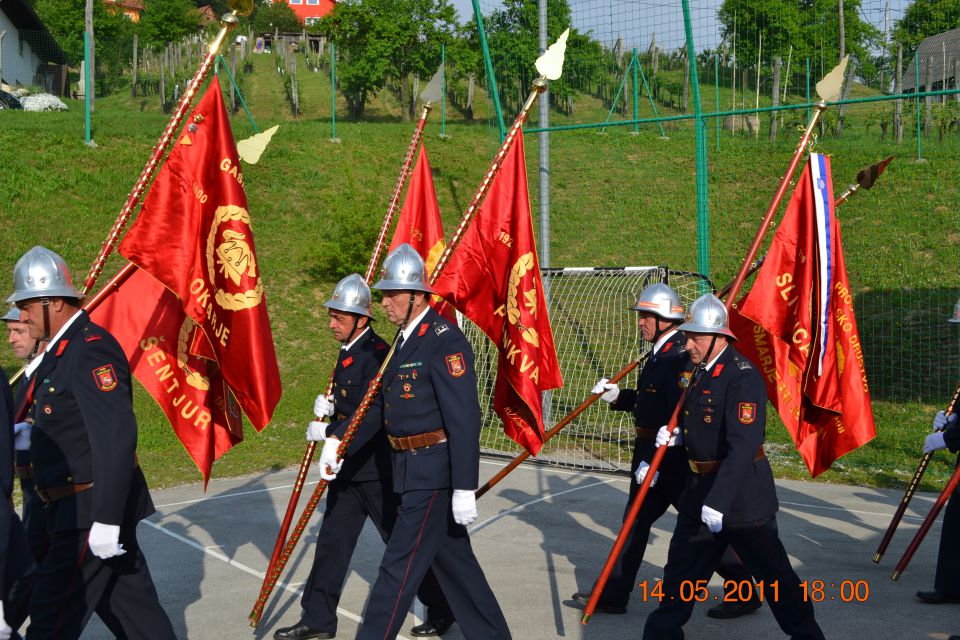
x=400 y=342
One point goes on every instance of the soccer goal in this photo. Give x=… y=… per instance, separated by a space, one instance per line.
x=596 y=335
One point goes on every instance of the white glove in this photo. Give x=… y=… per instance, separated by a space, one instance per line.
x=609 y=392
x=323 y=406
x=5 y=631
x=329 y=463
x=317 y=431
x=641 y=473
x=464 y=506
x=941 y=421
x=712 y=518
x=934 y=442
x=104 y=540
x=21 y=439
x=667 y=438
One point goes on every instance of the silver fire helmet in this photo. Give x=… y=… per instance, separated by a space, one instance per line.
x=403 y=270
x=707 y=315
x=660 y=300
x=351 y=295
x=12 y=315
x=41 y=273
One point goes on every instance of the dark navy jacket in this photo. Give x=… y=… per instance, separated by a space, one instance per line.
x=430 y=384
x=724 y=418
x=85 y=431
x=659 y=386
x=15 y=556
x=351 y=378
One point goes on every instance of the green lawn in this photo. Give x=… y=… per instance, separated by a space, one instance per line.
x=616 y=199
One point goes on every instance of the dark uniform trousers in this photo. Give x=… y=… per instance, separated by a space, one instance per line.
x=724 y=420
x=659 y=386
x=85 y=432
x=430 y=385
x=363 y=489
x=16 y=562
x=947 y=579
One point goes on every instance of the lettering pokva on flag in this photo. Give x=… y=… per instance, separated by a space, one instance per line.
x=797 y=324
x=493 y=278
x=420 y=225
x=159 y=341
x=193 y=234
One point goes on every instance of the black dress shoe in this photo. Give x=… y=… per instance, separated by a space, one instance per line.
x=431 y=628
x=301 y=631
x=935 y=597
x=604 y=607
x=730 y=610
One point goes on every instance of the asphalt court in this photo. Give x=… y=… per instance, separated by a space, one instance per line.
x=542 y=534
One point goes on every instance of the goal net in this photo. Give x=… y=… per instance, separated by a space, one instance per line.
x=596 y=335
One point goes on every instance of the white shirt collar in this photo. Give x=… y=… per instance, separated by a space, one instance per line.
x=715 y=358
x=350 y=344
x=408 y=330
x=663 y=339
x=33 y=364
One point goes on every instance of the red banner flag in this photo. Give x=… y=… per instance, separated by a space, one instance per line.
x=494 y=279
x=797 y=325
x=194 y=236
x=420 y=225
x=149 y=323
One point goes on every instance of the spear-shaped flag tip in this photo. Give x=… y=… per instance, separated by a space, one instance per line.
x=550 y=64
x=829 y=87
x=250 y=149
x=434 y=89
x=868 y=175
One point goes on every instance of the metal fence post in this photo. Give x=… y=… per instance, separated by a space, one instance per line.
x=716 y=91
x=636 y=93
x=333 y=94
x=488 y=67
x=703 y=209
x=916 y=91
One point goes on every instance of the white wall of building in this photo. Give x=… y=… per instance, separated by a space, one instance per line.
x=18 y=60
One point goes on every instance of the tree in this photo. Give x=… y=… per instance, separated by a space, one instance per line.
x=64 y=20
x=512 y=33
x=166 y=21
x=378 y=40
x=811 y=27
x=924 y=18
x=274 y=16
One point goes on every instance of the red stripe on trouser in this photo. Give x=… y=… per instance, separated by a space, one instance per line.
x=406 y=573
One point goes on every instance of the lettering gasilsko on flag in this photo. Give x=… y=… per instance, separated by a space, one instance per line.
x=159 y=341
x=797 y=324
x=493 y=278
x=194 y=235
x=419 y=224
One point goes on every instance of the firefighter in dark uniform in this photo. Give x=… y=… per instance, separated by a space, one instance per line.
x=363 y=488
x=431 y=415
x=83 y=450
x=730 y=498
x=659 y=385
x=16 y=561
x=26 y=349
x=946 y=582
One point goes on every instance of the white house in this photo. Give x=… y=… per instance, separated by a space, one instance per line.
x=28 y=53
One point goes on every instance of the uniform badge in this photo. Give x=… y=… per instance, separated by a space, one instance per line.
x=93 y=337
x=105 y=377
x=743 y=364
x=455 y=365
x=747 y=412
x=407 y=387
x=708 y=419
x=47 y=409
x=685 y=379
x=718 y=371
x=666 y=347
x=343 y=392
x=423 y=329
x=441 y=328
x=347 y=362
